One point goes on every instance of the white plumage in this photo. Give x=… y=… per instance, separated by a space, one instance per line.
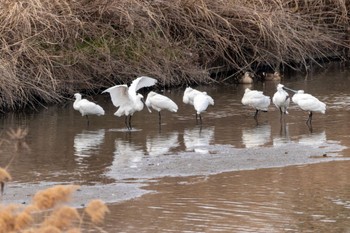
x=86 y=107
x=257 y=100
x=160 y=102
x=127 y=100
x=189 y=95
x=309 y=103
x=281 y=99
x=200 y=100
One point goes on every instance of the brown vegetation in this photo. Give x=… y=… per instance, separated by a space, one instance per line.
x=52 y=49
x=48 y=211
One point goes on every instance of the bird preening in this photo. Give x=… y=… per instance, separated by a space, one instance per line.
x=199 y=100
x=257 y=100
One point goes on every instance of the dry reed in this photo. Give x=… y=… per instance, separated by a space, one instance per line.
x=45 y=214
x=50 y=197
x=96 y=210
x=52 y=49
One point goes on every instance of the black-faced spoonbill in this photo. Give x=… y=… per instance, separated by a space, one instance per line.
x=189 y=95
x=86 y=107
x=281 y=99
x=308 y=103
x=160 y=102
x=257 y=100
x=127 y=99
x=200 y=101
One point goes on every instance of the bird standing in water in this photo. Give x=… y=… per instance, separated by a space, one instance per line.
x=281 y=99
x=127 y=100
x=86 y=107
x=257 y=100
x=308 y=103
x=200 y=101
x=159 y=102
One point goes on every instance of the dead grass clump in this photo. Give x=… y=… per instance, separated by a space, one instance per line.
x=96 y=210
x=46 y=212
x=52 y=49
x=62 y=218
x=50 y=197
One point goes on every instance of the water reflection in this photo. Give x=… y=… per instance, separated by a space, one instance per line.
x=198 y=139
x=283 y=136
x=313 y=138
x=87 y=144
x=257 y=136
x=127 y=154
x=161 y=144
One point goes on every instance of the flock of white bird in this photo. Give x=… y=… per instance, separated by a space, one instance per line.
x=128 y=101
x=281 y=99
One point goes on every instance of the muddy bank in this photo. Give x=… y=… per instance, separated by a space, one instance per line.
x=129 y=179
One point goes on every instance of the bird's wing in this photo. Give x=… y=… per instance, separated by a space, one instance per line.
x=164 y=102
x=141 y=82
x=312 y=104
x=119 y=94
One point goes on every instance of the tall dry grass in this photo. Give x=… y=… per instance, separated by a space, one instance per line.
x=51 y=49
x=48 y=211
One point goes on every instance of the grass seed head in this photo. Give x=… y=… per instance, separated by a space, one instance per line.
x=96 y=209
x=50 y=197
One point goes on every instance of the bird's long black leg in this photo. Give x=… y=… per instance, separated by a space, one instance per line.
x=126 y=122
x=87 y=118
x=159 y=118
x=256 y=114
x=200 y=119
x=196 y=118
x=308 y=122
x=130 y=123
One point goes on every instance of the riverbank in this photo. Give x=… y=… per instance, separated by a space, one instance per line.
x=50 y=50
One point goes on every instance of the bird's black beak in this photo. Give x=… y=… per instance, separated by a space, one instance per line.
x=288 y=89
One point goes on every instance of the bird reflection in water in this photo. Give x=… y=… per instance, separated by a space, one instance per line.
x=87 y=143
x=257 y=136
x=198 y=139
x=162 y=144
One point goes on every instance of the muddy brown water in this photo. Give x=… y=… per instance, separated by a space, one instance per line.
x=228 y=175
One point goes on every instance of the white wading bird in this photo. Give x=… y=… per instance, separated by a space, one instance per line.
x=257 y=100
x=159 y=102
x=189 y=95
x=281 y=99
x=86 y=107
x=308 y=103
x=200 y=101
x=127 y=99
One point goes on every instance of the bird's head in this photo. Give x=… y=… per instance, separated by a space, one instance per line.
x=77 y=96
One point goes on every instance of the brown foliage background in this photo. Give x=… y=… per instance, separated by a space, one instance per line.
x=50 y=49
